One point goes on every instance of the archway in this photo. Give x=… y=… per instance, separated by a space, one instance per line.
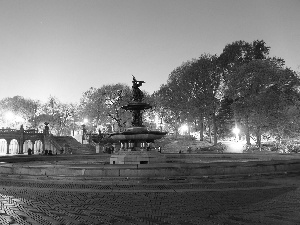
x=14 y=147
x=38 y=147
x=27 y=144
x=3 y=146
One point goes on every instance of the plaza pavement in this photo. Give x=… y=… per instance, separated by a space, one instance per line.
x=272 y=198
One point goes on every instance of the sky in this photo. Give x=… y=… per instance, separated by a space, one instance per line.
x=61 y=48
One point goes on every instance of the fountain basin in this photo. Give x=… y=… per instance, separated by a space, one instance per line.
x=138 y=133
x=136 y=146
x=137 y=157
x=137 y=106
x=141 y=137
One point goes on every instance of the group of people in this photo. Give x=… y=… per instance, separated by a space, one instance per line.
x=108 y=149
x=46 y=152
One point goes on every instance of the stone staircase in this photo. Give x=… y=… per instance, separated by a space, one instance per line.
x=74 y=145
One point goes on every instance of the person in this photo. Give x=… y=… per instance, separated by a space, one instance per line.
x=29 y=151
x=159 y=149
x=112 y=149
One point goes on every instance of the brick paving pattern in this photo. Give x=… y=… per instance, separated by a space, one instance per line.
x=229 y=201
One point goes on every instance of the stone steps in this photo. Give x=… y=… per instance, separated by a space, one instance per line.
x=74 y=145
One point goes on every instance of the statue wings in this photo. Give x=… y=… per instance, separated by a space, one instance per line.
x=136 y=81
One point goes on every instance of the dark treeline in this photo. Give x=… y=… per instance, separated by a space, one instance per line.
x=243 y=87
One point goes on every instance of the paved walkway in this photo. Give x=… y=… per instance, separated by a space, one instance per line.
x=240 y=200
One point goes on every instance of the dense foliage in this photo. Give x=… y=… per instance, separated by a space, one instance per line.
x=241 y=87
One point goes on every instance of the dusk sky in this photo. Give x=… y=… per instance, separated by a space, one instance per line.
x=62 y=48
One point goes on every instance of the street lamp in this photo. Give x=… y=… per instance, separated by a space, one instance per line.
x=85 y=120
x=83 y=133
x=73 y=116
x=184 y=128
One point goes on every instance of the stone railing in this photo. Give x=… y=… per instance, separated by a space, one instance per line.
x=9 y=130
x=31 y=131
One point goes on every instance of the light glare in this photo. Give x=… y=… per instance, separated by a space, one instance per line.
x=236 y=130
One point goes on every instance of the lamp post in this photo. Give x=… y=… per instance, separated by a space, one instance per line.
x=161 y=124
x=73 y=127
x=161 y=120
x=184 y=129
x=84 y=130
x=83 y=133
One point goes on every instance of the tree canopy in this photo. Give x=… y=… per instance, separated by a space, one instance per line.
x=242 y=85
x=103 y=105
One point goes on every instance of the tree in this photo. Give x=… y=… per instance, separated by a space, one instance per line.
x=151 y=114
x=171 y=98
x=225 y=117
x=193 y=91
x=23 y=108
x=103 y=105
x=92 y=106
x=204 y=86
x=238 y=54
x=168 y=108
x=115 y=97
x=58 y=115
x=74 y=112
x=262 y=90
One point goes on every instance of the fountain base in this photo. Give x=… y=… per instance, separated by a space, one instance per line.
x=137 y=157
x=137 y=141
x=137 y=146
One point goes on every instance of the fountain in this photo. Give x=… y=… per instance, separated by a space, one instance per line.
x=137 y=142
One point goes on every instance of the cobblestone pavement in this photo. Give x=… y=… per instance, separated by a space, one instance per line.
x=254 y=200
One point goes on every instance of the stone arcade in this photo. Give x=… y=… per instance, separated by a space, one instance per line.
x=22 y=135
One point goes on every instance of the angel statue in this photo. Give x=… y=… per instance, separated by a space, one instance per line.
x=137 y=93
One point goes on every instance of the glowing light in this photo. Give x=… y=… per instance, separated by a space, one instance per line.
x=235 y=147
x=19 y=119
x=184 y=128
x=9 y=115
x=85 y=120
x=236 y=131
x=12 y=120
